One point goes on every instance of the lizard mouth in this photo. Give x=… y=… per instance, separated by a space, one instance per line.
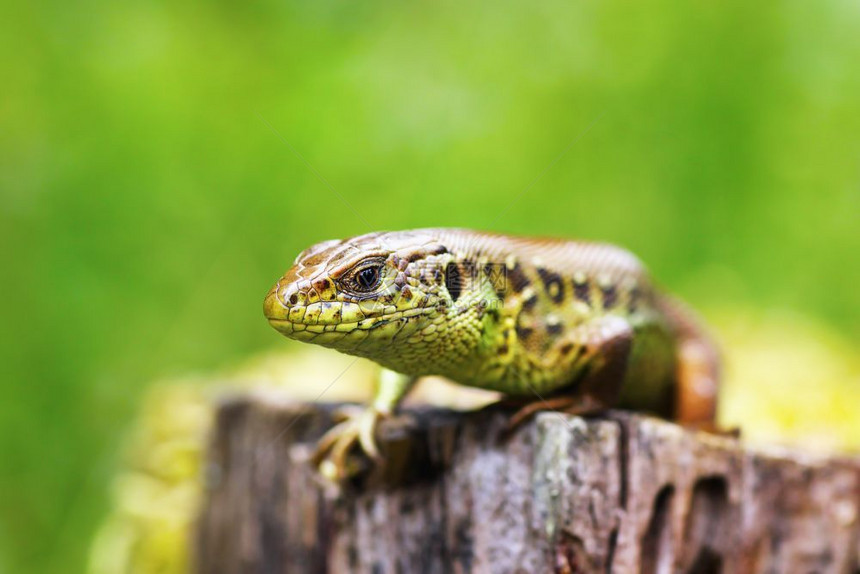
x=290 y=328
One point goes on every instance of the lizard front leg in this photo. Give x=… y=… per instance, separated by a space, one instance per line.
x=596 y=353
x=359 y=426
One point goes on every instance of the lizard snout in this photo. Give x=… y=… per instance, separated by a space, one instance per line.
x=281 y=298
x=274 y=306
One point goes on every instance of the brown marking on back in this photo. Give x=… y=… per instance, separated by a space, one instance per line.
x=610 y=296
x=571 y=351
x=414 y=256
x=516 y=278
x=530 y=302
x=453 y=281
x=523 y=332
x=491 y=274
x=582 y=291
x=552 y=284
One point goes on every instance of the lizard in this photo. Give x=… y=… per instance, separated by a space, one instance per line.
x=552 y=323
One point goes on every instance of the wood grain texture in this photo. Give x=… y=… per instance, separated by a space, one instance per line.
x=622 y=493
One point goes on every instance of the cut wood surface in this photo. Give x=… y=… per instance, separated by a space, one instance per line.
x=619 y=493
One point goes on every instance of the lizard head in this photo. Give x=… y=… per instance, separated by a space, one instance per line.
x=385 y=296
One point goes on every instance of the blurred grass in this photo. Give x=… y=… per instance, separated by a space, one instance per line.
x=145 y=208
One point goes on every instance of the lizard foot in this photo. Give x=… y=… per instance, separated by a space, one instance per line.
x=356 y=430
x=572 y=405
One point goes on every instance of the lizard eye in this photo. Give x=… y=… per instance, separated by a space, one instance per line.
x=368 y=278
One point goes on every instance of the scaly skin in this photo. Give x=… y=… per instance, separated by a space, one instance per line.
x=532 y=318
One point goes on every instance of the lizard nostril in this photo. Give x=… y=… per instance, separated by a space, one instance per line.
x=293 y=299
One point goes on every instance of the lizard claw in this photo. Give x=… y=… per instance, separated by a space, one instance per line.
x=345 y=412
x=333 y=449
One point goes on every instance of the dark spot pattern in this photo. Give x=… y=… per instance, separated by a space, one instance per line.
x=552 y=284
x=530 y=302
x=553 y=328
x=571 y=351
x=517 y=279
x=453 y=281
x=610 y=296
x=495 y=274
x=582 y=291
x=524 y=332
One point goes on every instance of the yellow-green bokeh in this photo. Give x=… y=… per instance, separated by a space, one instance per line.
x=150 y=188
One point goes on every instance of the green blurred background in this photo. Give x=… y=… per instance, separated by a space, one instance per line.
x=148 y=204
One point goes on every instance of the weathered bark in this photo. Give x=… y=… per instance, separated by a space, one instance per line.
x=622 y=493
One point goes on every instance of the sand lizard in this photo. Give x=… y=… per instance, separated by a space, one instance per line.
x=570 y=325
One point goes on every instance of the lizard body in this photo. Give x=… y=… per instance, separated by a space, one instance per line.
x=534 y=318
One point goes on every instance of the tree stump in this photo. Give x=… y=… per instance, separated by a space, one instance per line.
x=619 y=493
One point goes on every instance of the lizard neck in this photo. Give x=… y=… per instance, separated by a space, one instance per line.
x=452 y=343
